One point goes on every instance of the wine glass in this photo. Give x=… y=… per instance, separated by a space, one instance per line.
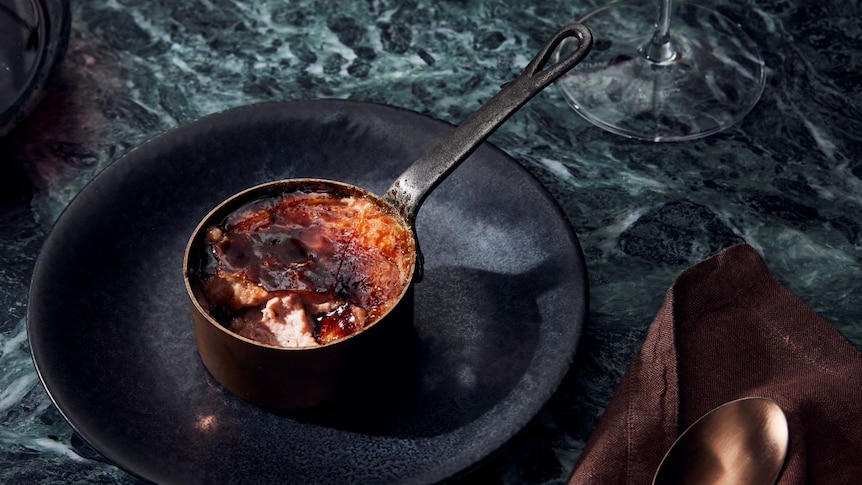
x=681 y=83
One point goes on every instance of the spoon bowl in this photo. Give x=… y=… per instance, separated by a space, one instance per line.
x=740 y=442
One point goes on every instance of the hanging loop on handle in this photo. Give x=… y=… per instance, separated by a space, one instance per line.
x=410 y=189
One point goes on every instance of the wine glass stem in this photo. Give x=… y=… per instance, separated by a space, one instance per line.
x=660 y=48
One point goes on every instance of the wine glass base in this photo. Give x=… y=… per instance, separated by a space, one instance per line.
x=715 y=79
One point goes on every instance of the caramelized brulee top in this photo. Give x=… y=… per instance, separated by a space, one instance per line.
x=305 y=268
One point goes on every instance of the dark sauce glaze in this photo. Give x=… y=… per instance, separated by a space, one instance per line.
x=285 y=246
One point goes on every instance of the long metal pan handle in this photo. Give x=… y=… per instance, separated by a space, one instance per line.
x=410 y=189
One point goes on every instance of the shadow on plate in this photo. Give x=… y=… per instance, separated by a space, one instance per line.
x=463 y=357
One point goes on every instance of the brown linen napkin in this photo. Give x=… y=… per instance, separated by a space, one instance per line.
x=727 y=330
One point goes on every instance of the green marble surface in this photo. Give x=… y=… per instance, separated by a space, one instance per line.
x=787 y=179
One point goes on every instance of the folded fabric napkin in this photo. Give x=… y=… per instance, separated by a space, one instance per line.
x=727 y=330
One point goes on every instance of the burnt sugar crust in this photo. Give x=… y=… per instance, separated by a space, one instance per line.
x=305 y=268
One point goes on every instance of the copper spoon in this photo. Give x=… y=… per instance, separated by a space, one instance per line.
x=740 y=442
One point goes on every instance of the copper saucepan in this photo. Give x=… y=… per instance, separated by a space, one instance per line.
x=284 y=379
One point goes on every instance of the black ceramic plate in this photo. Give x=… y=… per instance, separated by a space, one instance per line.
x=498 y=313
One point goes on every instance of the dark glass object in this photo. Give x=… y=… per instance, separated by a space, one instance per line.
x=33 y=39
